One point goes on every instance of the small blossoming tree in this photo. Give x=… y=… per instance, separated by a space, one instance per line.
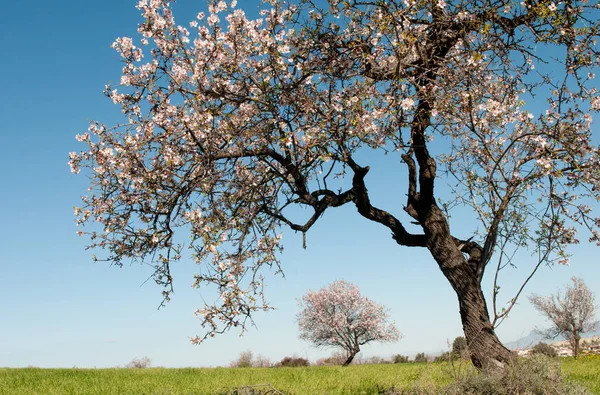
x=572 y=313
x=231 y=121
x=339 y=316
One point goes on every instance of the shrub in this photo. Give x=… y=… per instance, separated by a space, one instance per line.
x=421 y=357
x=544 y=349
x=399 y=358
x=337 y=358
x=243 y=361
x=460 y=348
x=261 y=362
x=293 y=362
x=445 y=357
x=375 y=360
x=139 y=363
x=537 y=375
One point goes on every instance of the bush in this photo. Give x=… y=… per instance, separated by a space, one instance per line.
x=261 y=362
x=293 y=362
x=537 y=375
x=421 y=357
x=139 y=363
x=446 y=356
x=247 y=360
x=460 y=348
x=337 y=358
x=243 y=361
x=398 y=358
x=375 y=360
x=544 y=349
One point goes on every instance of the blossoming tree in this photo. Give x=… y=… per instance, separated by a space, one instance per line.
x=231 y=121
x=339 y=316
x=572 y=313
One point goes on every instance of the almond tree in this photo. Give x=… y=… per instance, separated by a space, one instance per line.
x=231 y=121
x=572 y=313
x=339 y=316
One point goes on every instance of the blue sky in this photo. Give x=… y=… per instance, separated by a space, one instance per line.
x=59 y=309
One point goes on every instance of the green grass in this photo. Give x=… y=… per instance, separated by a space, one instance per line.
x=585 y=370
x=361 y=379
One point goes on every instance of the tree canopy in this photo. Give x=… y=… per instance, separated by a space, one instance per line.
x=231 y=121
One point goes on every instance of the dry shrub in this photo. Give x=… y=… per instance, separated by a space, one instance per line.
x=261 y=362
x=244 y=360
x=374 y=360
x=538 y=375
x=139 y=363
x=544 y=349
x=337 y=358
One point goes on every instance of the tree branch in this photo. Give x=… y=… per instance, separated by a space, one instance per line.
x=363 y=204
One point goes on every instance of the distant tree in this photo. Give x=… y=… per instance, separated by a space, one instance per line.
x=230 y=122
x=421 y=357
x=544 y=349
x=459 y=347
x=339 y=316
x=572 y=313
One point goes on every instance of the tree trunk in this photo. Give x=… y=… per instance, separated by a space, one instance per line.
x=487 y=352
x=351 y=356
x=576 y=340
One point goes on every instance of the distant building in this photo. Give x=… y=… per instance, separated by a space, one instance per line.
x=524 y=353
x=564 y=350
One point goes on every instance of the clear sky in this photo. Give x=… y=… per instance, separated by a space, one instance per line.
x=59 y=309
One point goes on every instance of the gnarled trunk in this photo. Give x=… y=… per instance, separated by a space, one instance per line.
x=487 y=352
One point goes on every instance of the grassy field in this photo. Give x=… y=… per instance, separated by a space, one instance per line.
x=586 y=371
x=360 y=379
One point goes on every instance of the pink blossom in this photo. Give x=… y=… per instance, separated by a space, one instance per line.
x=407 y=103
x=234 y=120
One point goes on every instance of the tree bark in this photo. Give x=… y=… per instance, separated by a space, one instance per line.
x=351 y=356
x=486 y=351
x=576 y=340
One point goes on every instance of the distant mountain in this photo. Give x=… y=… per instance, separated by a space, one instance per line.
x=534 y=338
x=525 y=342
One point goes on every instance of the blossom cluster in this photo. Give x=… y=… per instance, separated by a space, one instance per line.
x=229 y=121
